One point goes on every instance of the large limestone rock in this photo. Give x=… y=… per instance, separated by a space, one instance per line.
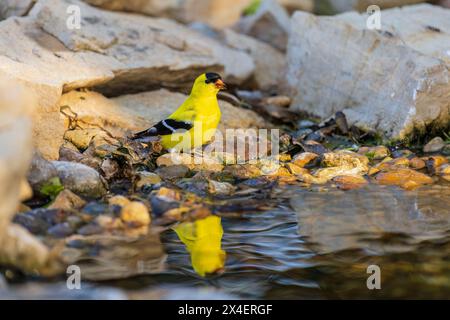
x=17 y=247
x=18 y=8
x=294 y=5
x=131 y=113
x=143 y=52
x=128 y=53
x=270 y=64
x=46 y=67
x=216 y=13
x=270 y=23
x=394 y=81
x=362 y=5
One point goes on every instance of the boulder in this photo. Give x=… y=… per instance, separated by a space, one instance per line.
x=395 y=81
x=362 y=5
x=17 y=8
x=148 y=7
x=216 y=13
x=294 y=5
x=444 y=3
x=142 y=52
x=41 y=173
x=17 y=246
x=270 y=23
x=131 y=113
x=80 y=179
x=270 y=64
x=128 y=54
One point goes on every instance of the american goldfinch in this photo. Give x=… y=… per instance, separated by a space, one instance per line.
x=203 y=240
x=195 y=122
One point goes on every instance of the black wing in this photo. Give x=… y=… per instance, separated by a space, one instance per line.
x=164 y=127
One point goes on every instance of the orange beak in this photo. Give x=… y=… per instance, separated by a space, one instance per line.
x=220 y=85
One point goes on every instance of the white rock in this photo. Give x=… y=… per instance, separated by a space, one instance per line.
x=293 y=5
x=80 y=179
x=392 y=81
x=270 y=64
x=145 y=52
x=362 y=5
x=135 y=112
x=17 y=246
x=9 y=8
x=127 y=54
x=216 y=13
x=270 y=24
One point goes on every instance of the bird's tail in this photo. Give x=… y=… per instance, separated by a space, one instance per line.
x=139 y=135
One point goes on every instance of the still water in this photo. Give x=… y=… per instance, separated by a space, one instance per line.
x=312 y=243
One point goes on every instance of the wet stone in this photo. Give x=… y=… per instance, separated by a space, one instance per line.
x=375 y=153
x=32 y=223
x=221 y=188
x=90 y=229
x=444 y=171
x=417 y=163
x=172 y=172
x=135 y=214
x=434 y=162
x=403 y=177
x=61 y=230
x=314 y=147
x=96 y=208
x=197 y=186
x=434 y=145
x=350 y=182
x=164 y=200
x=118 y=200
x=401 y=153
x=67 y=200
x=243 y=171
x=304 y=158
x=145 y=178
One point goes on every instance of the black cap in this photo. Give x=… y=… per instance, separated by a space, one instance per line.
x=212 y=77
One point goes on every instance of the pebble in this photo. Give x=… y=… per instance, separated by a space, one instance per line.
x=279 y=101
x=221 y=188
x=172 y=172
x=135 y=214
x=90 y=229
x=61 y=230
x=67 y=200
x=434 y=145
x=80 y=179
x=304 y=158
x=404 y=177
x=118 y=200
x=146 y=178
x=375 y=153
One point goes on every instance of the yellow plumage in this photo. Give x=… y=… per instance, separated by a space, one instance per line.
x=203 y=240
x=198 y=117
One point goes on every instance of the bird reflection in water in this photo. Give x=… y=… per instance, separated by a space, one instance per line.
x=203 y=240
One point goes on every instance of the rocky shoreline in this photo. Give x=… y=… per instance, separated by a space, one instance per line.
x=72 y=180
